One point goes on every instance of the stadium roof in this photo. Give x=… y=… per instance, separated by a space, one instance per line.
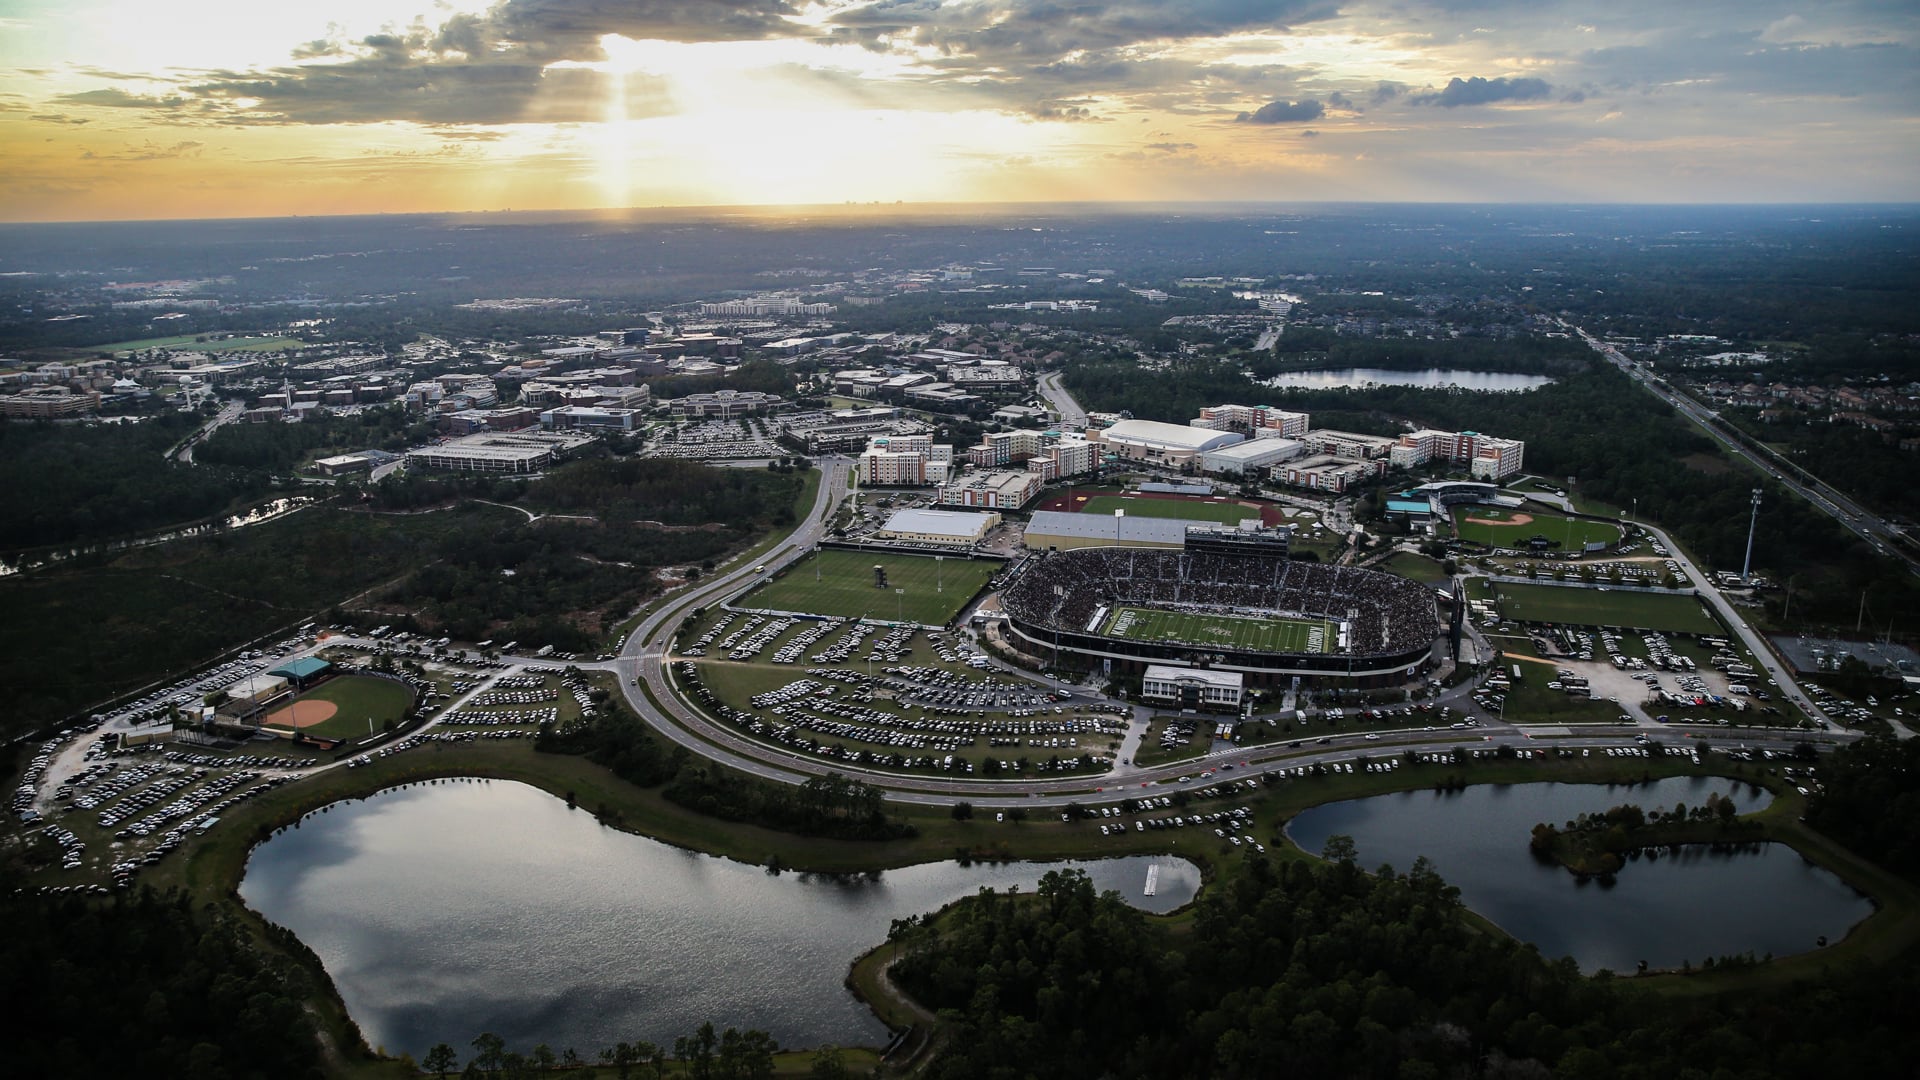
x=1258 y=450
x=306 y=667
x=1209 y=676
x=1178 y=436
x=959 y=524
x=1112 y=528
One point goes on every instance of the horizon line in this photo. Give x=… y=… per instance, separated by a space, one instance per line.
x=983 y=208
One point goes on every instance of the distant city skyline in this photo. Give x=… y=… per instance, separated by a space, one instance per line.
x=218 y=108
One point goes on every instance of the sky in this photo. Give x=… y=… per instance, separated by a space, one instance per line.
x=131 y=109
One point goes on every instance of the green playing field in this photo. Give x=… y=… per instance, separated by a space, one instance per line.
x=835 y=582
x=1278 y=635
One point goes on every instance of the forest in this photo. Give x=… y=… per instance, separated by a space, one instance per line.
x=81 y=484
x=75 y=634
x=145 y=985
x=1298 y=968
x=830 y=806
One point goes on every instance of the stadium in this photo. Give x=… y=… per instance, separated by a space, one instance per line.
x=1271 y=618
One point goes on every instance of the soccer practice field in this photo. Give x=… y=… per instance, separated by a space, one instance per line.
x=1230 y=631
x=835 y=582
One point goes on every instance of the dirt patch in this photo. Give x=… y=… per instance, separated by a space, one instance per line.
x=1711 y=464
x=1515 y=519
x=303 y=714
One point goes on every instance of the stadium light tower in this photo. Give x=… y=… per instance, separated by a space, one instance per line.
x=1746 y=566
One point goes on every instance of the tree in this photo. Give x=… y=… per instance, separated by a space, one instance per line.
x=440 y=1060
x=828 y=1064
x=1339 y=848
x=963 y=811
x=492 y=1051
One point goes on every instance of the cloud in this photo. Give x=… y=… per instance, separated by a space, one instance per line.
x=1173 y=147
x=1338 y=100
x=149 y=152
x=57 y=118
x=1479 y=91
x=1309 y=134
x=1285 y=112
x=1060 y=28
x=115 y=98
x=1059 y=111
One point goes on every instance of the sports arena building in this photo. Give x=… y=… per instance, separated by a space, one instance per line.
x=1385 y=626
x=1155 y=443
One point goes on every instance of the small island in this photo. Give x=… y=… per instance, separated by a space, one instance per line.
x=1598 y=845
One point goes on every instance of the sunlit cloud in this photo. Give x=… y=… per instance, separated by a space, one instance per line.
x=481 y=103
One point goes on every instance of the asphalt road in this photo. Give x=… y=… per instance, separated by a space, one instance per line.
x=1829 y=500
x=1071 y=414
x=644 y=660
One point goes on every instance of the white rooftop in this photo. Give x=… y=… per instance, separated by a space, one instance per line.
x=1205 y=676
x=959 y=524
x=1172 y=435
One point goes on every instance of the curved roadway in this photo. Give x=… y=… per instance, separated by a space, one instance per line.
x=644 y=661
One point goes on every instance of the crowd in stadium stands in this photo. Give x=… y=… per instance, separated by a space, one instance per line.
x=1383 y=613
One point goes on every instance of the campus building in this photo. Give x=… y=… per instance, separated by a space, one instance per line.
x=1253 y=421
x=519 y=452
x=1484 y=456
x=722 y=404
x=1193 y=688
x=576 y=417
x=996 y=489
x=1155 y=443
x=902 y=460
x=1328 y=473
x=949 y=528
x=1255 y=457
x=1054 y=455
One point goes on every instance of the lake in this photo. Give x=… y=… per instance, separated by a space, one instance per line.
x=444 y=910
x=1335 y=378
x=1690 y=906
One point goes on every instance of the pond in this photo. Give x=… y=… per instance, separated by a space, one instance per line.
x=1335 y=378
x=1762 y=898
x=444 y=910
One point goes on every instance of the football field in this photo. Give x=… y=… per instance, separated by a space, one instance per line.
x=1276 y=635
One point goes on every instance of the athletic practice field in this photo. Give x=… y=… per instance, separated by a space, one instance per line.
x=1591 y=607
x=1229 y=631
x=1502 y=528
x=340 y=707
x=934 y=591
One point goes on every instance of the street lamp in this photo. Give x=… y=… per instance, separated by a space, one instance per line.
x=1746 y=566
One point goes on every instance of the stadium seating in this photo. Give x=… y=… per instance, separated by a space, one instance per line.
x=1384 y=614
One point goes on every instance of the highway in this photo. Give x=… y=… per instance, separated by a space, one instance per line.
x=1863 y=523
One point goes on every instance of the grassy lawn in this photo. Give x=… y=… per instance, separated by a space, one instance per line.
x=188 y=342
x=1590 y=607
x=1517 y=526
x=1268 y=635
x=1530 y=702
x=934 y=591
x=1224 y=511
x=1414 y=568
x=365 y=704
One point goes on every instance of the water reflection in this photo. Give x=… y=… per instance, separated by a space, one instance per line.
x=1336 y=378
x=444 y=910
x=1697 y=903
